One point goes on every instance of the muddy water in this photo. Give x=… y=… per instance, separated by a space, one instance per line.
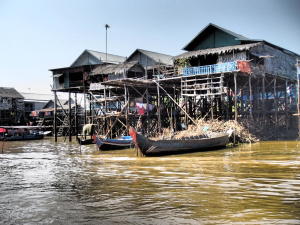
x=46 y=183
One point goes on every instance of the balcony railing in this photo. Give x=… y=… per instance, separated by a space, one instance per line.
x=210 y=69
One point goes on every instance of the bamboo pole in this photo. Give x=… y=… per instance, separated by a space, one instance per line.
x=124 y=107
x=176 y=103
x=275 y=102
x=147 y=97
x=76 y=116
x=55 y=116
x=263 y=98
x=158 y=108
x=127 y=109
x=286 y=105
x=70 y=118
x=250 y=98
x=84 y=103
x=235 y=97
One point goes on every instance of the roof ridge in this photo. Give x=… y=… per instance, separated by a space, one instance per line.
x=153 y=52
x=89 y=50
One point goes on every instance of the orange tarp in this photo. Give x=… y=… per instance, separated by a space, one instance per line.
x=244 y=66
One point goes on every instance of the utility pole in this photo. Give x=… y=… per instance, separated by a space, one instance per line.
x=106 y=27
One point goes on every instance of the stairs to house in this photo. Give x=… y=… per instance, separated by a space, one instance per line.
x=65 y=124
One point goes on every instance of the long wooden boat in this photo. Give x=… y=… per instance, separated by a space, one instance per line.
x=112 y=144
x=194 y=143
x=20 y=133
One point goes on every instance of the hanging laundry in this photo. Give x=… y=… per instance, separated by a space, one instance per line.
x=141 y=108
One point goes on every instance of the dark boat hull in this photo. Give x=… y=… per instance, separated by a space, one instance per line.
x=112 y=144
x=24 y=138
x=196 y=143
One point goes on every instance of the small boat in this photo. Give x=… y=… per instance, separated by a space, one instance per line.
x=173 y=146
x=20 y=133
x=85 y=141
x=112 y=144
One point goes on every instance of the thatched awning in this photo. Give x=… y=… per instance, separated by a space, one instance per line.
x=129 y=82
x=221 y=50
x=117 y=68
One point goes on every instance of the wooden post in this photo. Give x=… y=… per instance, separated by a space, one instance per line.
x=91 y=113
x=105 y=103
x=76 y=116
x=55 y=117
x=128 y=106
x=250 y=98
x=147 y=99
x=84 y=103
x=235 y=97
x=263 y=99
x=286 y=105
x=275 y=103
x=158 y=109
x=70 y=118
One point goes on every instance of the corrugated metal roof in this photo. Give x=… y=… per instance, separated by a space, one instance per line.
x=157 y=57
x=220 y=50
x=110 y=57
x=9 y=93
x=37 y=97
x=211 y=25
x=91 y=57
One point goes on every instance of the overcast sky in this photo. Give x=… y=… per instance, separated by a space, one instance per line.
x=37 y=35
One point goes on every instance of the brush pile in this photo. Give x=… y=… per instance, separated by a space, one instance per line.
x=238 y=130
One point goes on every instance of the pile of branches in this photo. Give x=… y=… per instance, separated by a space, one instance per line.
x=237 y=130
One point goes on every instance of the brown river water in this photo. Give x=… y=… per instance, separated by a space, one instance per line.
x=42 y=182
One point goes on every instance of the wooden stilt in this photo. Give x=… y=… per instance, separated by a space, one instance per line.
x=235 y=97
x=286 y=105
x=70 y=118
x=275 y=103
x=55 y=117
x=147 y=98
x=250 y=98
x=84 y=103
x=158 y=109
x=76 y=116
x=263 y=96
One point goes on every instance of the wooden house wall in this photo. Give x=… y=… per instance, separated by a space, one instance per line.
x=5 y=103
x=58 y=83
x=216 y=39
x=279 y=62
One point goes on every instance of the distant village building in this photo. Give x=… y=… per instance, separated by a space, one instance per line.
x=73 y=77
x=36 y=101
x=11 y=107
